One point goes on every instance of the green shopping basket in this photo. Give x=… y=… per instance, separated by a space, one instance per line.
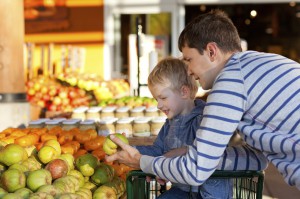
x=246 y=184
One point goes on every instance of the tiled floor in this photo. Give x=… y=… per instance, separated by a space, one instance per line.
x=276 y=188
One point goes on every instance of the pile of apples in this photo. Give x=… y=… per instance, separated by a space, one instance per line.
x=48 y=172
x=101 y=89
x=47 y=93
x=129 y=101
x=68 y=91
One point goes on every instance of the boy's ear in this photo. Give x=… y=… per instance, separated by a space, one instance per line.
x=185 y=92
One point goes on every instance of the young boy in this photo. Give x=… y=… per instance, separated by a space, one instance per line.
x=175 y=93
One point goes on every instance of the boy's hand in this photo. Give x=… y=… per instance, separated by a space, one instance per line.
x=128 y=155
x=161 y=181
x=176 y=152
x=158 y=180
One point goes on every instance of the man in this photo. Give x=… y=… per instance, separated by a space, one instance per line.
x=256 y=93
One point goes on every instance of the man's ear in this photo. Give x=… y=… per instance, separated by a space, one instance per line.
x=211 y=49
x=185 y=92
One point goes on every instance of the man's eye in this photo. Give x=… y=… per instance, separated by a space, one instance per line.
x=187 y=60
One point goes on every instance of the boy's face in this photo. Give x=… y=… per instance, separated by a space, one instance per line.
x=201 y=67
x=168 y=101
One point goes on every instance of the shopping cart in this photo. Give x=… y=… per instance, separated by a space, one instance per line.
x=246 y=184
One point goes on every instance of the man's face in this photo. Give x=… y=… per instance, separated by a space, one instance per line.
x=200 y=66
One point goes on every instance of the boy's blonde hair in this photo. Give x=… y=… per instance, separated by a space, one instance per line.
x=172 y=70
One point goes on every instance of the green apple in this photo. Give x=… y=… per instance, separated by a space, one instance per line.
x=108 y=150
x=18 y=166
x=12 y=153
x=110 y=147
x=2 y=192
x=37 y=178
x=47 y=153
x=104 y=192
x=24 y=192
x=39 y=195
x=55 y=144
x=12 y=180
x=68 y=184
x=31 y=150
x=86 y=164
x=50 y=189
x=103 y=174
x=12 y=196
x=84 y=192
x=32 y=163
x=78 y=175
x=89 y=185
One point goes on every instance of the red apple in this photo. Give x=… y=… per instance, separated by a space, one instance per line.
x=46 y=97
x=52 y=107
x=58 y=168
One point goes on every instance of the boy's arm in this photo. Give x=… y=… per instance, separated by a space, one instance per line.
x=176 y=152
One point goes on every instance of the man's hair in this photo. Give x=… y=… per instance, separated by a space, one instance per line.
x=214 y=26
x=172 y=70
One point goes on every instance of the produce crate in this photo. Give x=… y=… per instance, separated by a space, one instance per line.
x=246 y=184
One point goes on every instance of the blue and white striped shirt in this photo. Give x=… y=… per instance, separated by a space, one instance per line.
x=258 y=94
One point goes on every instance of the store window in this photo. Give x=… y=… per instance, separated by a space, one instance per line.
x=154 y=44
x=266 y=27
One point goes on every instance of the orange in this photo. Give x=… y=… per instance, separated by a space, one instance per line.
x=18 y=133
x=92 y=132
x=61 y=139
x=68 y=135
x=67 y=149
x=75 y=145
x=27 y=140
x=99 y=153
x=57 y=130
x=46 y=137
x=80 y=152
x=39 y=145
x=39 y=131
x=94 y=143
x=82 y=137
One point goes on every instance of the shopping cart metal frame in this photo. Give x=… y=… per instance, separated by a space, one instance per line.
x=247 y=184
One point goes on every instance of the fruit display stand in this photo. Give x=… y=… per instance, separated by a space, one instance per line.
x=57 y=163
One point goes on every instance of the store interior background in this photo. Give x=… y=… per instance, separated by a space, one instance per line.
x=274 y=28
x=269 y=27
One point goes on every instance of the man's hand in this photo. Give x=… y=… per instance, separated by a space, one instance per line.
x=176 y=152
x=128 y=155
